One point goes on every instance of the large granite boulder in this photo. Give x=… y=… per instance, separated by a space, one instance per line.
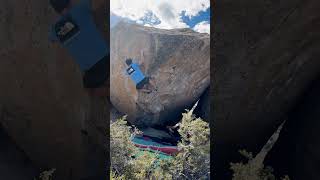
x=178 y=61
x=266 y=54
x=43 y=105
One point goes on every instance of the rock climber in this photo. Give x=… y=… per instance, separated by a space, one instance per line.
x=76 y=31
x=143 y=83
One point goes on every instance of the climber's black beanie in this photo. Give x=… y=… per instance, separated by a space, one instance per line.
x=129 y=61
x=59 y=5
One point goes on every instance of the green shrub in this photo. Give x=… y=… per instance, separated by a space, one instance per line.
x=121 y=147
x=46 y=175
x=193 y=162
x=254 y=168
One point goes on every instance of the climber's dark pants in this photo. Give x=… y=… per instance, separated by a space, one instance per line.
x=96 y=76
x=142 y=83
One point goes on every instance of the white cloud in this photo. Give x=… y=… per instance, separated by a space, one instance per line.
x=167 y=11
x=202 y=27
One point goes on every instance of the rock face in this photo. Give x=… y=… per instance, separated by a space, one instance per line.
x=177 y=60
x=265 y=57
x=14 y=165
x=43 y=105
x=297 y=151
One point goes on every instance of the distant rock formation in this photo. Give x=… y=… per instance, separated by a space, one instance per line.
x=43 y=105
x=178 y=60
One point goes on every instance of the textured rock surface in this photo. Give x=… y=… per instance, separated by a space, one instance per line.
x=297 y=151
x=43 y=105
x=266 y=54
x=178 y=60
x=14 y=165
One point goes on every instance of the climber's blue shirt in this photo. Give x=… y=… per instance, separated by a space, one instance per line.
x=135 y=73
x=77 y=32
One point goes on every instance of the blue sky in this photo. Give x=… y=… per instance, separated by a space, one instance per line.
x=165 y=14
x=194 y=20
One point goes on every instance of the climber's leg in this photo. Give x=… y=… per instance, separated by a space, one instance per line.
x=141 y=86
x=95 y=79
x=146 y=85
